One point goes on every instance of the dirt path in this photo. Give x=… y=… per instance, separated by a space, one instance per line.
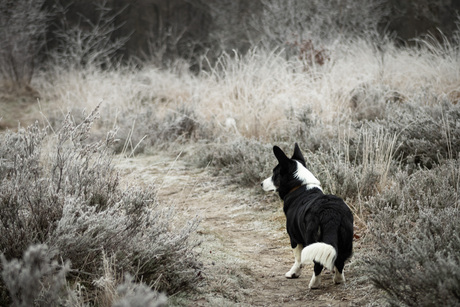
x=245 y=249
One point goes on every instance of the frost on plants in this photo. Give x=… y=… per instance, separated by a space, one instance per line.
x=36 y=279
x=60 y=189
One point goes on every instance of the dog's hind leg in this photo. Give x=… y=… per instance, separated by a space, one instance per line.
x=316 y=278
x=339 y=277
x=294 y=272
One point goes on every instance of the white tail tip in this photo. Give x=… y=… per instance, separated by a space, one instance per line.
x=320 y=252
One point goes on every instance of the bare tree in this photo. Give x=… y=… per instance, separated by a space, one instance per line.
x=22 y=31
x=87 y=42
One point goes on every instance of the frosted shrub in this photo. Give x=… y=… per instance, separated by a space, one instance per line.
x=358 y=166
x=426 y=134
x=416 y=230
x=245 y=161
x=147 y=129
x=421 y=267
x=61 y=189
x=138 y=295
x=35 y=280
x=40 y=172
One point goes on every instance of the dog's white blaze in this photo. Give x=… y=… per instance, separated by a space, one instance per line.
x=307 y=178
x=268 y=185
x=320 y=252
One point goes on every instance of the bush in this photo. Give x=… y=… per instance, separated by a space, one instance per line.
x=416 y=230
x=246 y=162
x=149 y=129
x=138 y=295
x=421 y=268
x=427 y=135
x=61 y=190
x=357 y=166
x=36 y=280
x=370 y=102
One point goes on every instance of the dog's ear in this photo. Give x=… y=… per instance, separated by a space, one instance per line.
x=280 y=156
x=298 y=154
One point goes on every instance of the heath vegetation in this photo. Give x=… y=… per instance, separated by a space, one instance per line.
x=379 y=122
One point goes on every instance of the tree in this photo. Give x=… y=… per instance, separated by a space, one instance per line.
x=22 y=31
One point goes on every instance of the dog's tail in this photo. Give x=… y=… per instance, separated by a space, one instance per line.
x=320 y=252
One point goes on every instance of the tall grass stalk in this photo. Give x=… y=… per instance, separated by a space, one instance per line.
x=378 y=150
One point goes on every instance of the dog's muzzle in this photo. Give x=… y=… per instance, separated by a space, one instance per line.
x=267 y=185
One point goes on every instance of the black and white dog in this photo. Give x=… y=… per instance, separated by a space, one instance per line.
x=320 y=226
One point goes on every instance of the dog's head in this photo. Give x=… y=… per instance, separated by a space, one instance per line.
x=289 y=174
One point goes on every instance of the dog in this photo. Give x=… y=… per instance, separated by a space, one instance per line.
x=320 y=226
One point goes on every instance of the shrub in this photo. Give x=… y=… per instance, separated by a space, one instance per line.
x=426 y=134
x=61 y=189
x=244 y=161
x=356 y=167
x=36 y=280
x=421 y=268
x=138 y=295
x=415 y=227
x=336 y=174
x=150 y=129
x=370 y=102
x=178 y=125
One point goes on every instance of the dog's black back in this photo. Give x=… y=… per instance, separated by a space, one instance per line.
x=312 y=216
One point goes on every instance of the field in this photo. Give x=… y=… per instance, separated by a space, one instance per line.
x=140 y=186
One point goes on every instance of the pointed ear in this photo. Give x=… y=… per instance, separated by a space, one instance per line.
x=280 y=155
x=298 y=154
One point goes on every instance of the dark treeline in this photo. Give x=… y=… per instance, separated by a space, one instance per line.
x=99 y=33
x=189 y=28
x=413 y=18
x=163 y=30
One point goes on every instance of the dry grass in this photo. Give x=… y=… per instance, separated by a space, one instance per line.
x=256 y=95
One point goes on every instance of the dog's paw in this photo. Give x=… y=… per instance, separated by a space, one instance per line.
x=339 y=278
x=294 y=272
x=315 y=282
x=292 y=275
